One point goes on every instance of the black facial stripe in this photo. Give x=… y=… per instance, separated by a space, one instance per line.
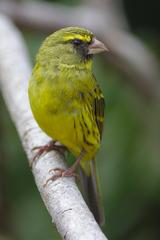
x=77 y=42
x=82 y=48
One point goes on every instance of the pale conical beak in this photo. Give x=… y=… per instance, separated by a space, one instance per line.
x=96 y=47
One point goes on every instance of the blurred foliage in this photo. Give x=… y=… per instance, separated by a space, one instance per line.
x=129 y=162
x=143 y=14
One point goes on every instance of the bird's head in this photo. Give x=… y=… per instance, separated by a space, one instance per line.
x=71 y=46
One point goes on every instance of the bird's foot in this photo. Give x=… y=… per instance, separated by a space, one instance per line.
x=61 y=173
x=47 y=148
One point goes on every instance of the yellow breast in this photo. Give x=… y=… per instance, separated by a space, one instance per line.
x=63 y=109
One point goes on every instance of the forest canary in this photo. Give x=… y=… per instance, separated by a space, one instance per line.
x=68 y=104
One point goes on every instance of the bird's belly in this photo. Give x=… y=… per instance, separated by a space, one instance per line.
x=60 y=127
x=66 y=120
x=65 y=126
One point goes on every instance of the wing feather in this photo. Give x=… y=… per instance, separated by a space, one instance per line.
x=99 y=105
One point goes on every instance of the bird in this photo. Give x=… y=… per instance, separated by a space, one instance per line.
x=68 y=104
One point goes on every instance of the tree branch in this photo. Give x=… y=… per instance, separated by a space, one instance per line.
x=62 y=198
x=107 y=20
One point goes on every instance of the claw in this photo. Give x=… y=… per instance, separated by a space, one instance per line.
x=47 y=148
x=61 y=173
x=55 y=169
x=70 y=172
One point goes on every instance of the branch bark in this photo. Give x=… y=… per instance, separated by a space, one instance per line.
x=127 y=52
x=62 y=198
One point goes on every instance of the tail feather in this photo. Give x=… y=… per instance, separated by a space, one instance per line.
x=90 y=188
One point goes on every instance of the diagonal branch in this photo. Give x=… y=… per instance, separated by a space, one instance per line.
x=62 y=198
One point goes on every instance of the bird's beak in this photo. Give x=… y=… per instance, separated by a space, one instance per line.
x=96 y=47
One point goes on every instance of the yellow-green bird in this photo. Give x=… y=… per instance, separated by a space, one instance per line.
x=68 y=104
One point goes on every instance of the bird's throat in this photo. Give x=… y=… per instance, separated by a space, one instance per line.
x=81 y=65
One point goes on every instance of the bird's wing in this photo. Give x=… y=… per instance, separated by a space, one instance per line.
x=99 y=105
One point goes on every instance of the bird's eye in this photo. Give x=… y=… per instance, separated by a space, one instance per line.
x=77 y=41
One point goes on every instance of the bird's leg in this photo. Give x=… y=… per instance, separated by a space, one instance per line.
x=70 y=172
x=47 y=148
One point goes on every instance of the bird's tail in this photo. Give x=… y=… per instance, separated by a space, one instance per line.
x=90 y=188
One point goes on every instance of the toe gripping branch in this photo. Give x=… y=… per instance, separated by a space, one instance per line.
x=70 y=172
x=47 y=148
